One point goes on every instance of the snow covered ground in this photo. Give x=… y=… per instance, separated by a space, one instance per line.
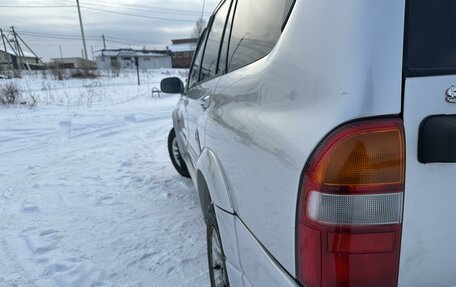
x=88 y=196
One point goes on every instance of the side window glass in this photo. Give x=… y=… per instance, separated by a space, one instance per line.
x=195 y=70
x=256 y=29
x=226 y=41
x=211 y=53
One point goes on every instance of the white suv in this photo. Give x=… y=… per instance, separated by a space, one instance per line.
x=321 y=137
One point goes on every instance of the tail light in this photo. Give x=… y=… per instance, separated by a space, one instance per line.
x=350 y=207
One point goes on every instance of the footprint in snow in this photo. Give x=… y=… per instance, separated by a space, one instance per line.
x=76 y=272
x=47 y=232
x=126 y=163
x=30 y=207
x=65 y=126
x=40 y=244
x=130 y=119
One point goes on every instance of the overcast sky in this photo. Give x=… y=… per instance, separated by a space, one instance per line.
x=150 y=23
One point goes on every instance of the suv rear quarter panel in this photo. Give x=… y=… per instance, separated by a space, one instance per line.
x=335 y=61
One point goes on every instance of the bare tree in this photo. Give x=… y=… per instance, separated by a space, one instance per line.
x=199 y=27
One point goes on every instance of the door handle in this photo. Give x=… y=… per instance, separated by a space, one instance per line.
x=185 y=101
x=205 y=102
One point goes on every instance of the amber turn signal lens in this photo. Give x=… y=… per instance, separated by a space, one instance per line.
x=363 y=158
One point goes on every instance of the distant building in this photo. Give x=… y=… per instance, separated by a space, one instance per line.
x=9 y=59
x=75 y=63
x=125 y=59
x=182 y=51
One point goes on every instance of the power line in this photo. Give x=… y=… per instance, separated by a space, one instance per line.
x=77 y=37
x=124 y=42
x=50 y=36
x=38 y=6
x=53 y=43
x=137 y=15
x=130 y=7
x=143 y=7
x=140 y=42
x=90 y=6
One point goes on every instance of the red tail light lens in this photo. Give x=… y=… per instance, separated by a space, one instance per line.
x=350 y=207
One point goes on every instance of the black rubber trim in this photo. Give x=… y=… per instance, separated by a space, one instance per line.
x=285 y=22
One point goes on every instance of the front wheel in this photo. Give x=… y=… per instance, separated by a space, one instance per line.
x=216 y=257
x=175 y=155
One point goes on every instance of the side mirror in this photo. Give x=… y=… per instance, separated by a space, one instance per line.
x=172 y=85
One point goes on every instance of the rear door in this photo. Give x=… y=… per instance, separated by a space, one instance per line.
x=193 y=89
x=200 y=95
x=428 y=252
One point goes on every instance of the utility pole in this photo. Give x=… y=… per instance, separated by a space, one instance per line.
x=30 y=49
x=137 y=69
x=82 y=31
x=104 y=41
x=202 y=11
x=61 y=58
x=14 y=51
x=6 y=50
x=18 y=53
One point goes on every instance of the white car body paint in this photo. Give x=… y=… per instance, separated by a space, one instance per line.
x=336 y=61
x=246 y=258
x=428 y=252
x=266 y=118
x=210 y=168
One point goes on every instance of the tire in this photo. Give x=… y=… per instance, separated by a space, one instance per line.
x=175 y=155
x=215 y=255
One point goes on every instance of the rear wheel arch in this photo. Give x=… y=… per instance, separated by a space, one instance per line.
x=216 y=184
x=204 y=194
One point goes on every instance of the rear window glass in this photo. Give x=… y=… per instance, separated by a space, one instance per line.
x=430 y=47
x=256 y=28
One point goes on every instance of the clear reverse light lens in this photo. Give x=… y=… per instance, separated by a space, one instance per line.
x=371 y=209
